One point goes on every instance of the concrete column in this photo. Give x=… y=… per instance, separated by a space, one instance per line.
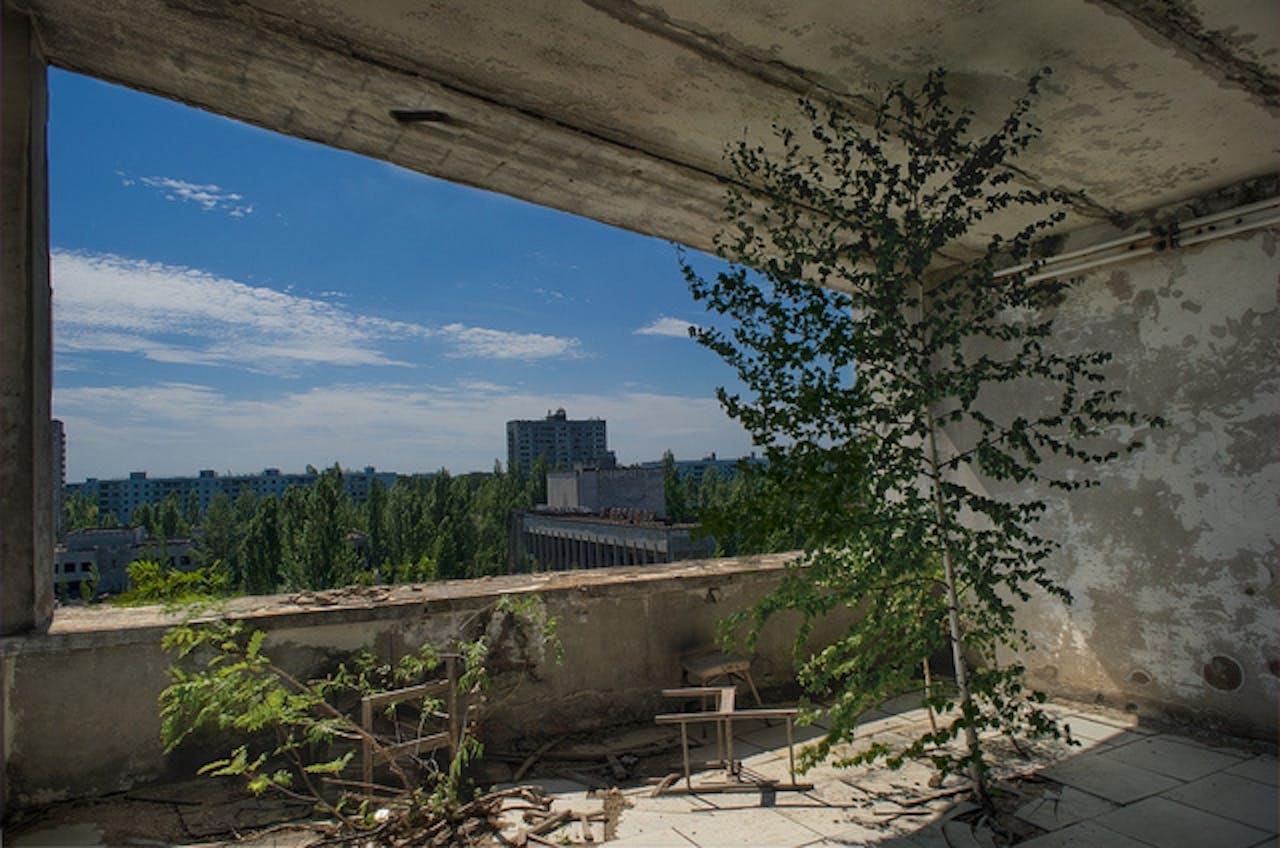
x=26 y=337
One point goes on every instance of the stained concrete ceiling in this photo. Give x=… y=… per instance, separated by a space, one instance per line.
x=621 y=110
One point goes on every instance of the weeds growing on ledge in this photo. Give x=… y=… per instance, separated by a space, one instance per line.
x=305 y=739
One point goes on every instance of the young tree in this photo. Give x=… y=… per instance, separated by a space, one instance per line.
x=375 y=513
x=144 y=516
x=263 y=549
x=80 y=512
x=293 y=517
x=673 y=489
x=221 y=539
x=191 y=509
x=169 y=523
x=324 y=555
x=872 y=364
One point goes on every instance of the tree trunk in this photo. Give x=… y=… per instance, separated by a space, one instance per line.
x=953 y=622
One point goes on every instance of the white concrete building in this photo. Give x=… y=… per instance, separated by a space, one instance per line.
x=559 y=439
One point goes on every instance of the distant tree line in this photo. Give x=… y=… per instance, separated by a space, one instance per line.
x=436 y=527
x=315 y=537
x=717 y=500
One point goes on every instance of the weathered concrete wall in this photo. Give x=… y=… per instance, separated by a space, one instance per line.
x=1173 y=559
x=26 y=338
x=80 y=701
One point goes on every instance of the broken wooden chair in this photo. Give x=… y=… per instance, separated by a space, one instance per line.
x=719 y=710
x=704 y=668
x=457 y=716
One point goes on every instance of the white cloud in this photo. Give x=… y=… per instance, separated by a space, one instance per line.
x=666 y=326
x=177 y=428
x=208 y=197
x=498 y=344
x=179 y=315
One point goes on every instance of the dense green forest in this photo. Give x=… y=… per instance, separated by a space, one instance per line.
x=436 y=527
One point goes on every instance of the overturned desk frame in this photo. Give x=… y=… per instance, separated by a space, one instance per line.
x=722 y=714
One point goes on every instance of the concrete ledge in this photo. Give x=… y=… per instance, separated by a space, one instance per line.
x=80 y=712
x=83 y=627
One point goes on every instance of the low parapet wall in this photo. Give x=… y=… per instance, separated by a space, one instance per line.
x=80 y=702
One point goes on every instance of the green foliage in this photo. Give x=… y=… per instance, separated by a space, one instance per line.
x=143 y=516
x=323 y=557
x=240 y=694
x=421 y=529
x=169 y=523
x=673 y=490
x=422 y=571
x=298 y=738
x=151 y=582
x=220 y=538
x=80 y=512
x=89 y=586
x=532 y=612
x=263 y=549
x=905 y=404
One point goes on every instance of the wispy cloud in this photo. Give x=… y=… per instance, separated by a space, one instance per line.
x=483 y=343
x=666 y=326
x=208 y=197
x=550 y=295
x=180 y=315
x=176 y=428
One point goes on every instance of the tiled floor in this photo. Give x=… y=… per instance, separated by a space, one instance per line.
x=1125 y=786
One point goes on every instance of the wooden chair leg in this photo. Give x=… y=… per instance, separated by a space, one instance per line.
x=747 y=676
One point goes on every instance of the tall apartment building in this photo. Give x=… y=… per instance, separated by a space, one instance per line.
x=59 y=475
x=120 y=497
x=561 y=440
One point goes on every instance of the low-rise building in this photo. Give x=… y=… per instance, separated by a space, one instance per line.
x=597 y=489
x=557 y=540
x=107 y=553
x=597 y=517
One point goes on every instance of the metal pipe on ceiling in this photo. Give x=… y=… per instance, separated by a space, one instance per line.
x=1183 y=234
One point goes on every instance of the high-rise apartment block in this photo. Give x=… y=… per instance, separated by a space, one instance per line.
x=59 y=474
x=121 y=496
x=562 y=441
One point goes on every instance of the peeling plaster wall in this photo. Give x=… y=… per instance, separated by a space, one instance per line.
x=80 y=703
x=1172 y=561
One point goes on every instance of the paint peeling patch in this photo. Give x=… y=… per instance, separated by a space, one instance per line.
x=1253 y=444
x=1224 y=674
x=1120 y=286
x=1178 y=24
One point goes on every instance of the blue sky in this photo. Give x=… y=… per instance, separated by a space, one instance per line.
x=229 y=298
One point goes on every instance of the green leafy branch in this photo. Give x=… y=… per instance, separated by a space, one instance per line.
x=299 y=737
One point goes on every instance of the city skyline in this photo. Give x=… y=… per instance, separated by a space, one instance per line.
x=229 y=298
